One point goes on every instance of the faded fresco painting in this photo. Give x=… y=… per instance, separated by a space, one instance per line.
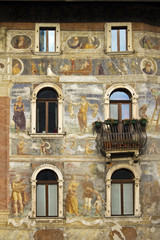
x=20 y=108
x=78 y=42
x=148 y=42
x=148 y=66
x=149 y=106
x=85 y=189
x=21 y=42
x=17 y=66
x=81 y=108
x=19 y=189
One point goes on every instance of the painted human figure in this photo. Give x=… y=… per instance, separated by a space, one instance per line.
x=88 y=189
x=18 y=195
x=147 y=69
x=98 y=205
x=71 y=202
x=21 y=43
x=16 y=69
x=19 y=117
x=82 y=114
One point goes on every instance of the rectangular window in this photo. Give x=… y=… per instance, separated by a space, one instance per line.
x=119 y=39
x=47 y=38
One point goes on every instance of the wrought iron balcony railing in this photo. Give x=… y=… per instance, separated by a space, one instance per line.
x=126 y=136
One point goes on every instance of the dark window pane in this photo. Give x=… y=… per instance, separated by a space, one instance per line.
x=47 y=174
x=42 y=40
x=122 y=174
x=41 y=117
x=52 y=117
x=47 y=93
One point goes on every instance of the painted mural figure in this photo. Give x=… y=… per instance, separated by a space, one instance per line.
x=19 y=117
x=98 y=205
x=18 y=195
x=88 y=189
x=75 y=43
x=147 y=69
x=142 y=111
x=90 y=43
x=16 y=68
x=21 y=43
x=41 y=68
x=45 y=147
x=82 y=114
x=21 y=148
x=71 y=201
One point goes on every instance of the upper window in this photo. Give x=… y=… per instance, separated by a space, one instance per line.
x=120 y=104
x=47 y=108
x=47 y=192
x=122 y=192
x=118 y=37
x=47 y=38
x=47 y=111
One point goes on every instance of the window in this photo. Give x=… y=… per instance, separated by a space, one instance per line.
x=46 y=195
x=46 y=107
x=118 y=37
x=121 y=102
x=122 y=191
x=47 y=38
x=47 y=111
x=47 y=192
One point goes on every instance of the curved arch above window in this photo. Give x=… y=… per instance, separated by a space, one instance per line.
x=47 y=192
x=122 y=191
x=46 y=107
x=121 y=92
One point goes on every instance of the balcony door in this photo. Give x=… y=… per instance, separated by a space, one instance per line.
x=120 y=105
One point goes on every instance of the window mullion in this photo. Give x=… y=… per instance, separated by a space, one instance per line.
x=118 y=40
x=47 y=38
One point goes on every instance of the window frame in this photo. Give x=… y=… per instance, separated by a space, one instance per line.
x=108 y=38
x=59 y=110
x=133 y=98
x=137 y=173
x=57 y=38
x=34 y=183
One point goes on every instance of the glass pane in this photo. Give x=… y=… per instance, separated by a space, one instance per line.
x=42 y=40
x=41 y=200
x=47 y=174
x=47 y=93
x=116 y=198
x=119 y=95
x=125 y=111
x=128 y=198
x=114 y=40
x=52 y=117
x=122 y=174
x=41 y=117
x=51 y=40
x=122 y=33
x=52 y=200
x=114 y=111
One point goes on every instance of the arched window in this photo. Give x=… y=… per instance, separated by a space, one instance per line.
x=46 y=196
x=47 y=192
x=46 y=107
x=122 y=190
x=47 y=111
x=120 y=104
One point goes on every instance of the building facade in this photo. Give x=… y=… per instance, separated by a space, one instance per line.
x=77 y=160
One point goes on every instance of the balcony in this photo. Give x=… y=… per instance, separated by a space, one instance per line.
x=127 y=137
